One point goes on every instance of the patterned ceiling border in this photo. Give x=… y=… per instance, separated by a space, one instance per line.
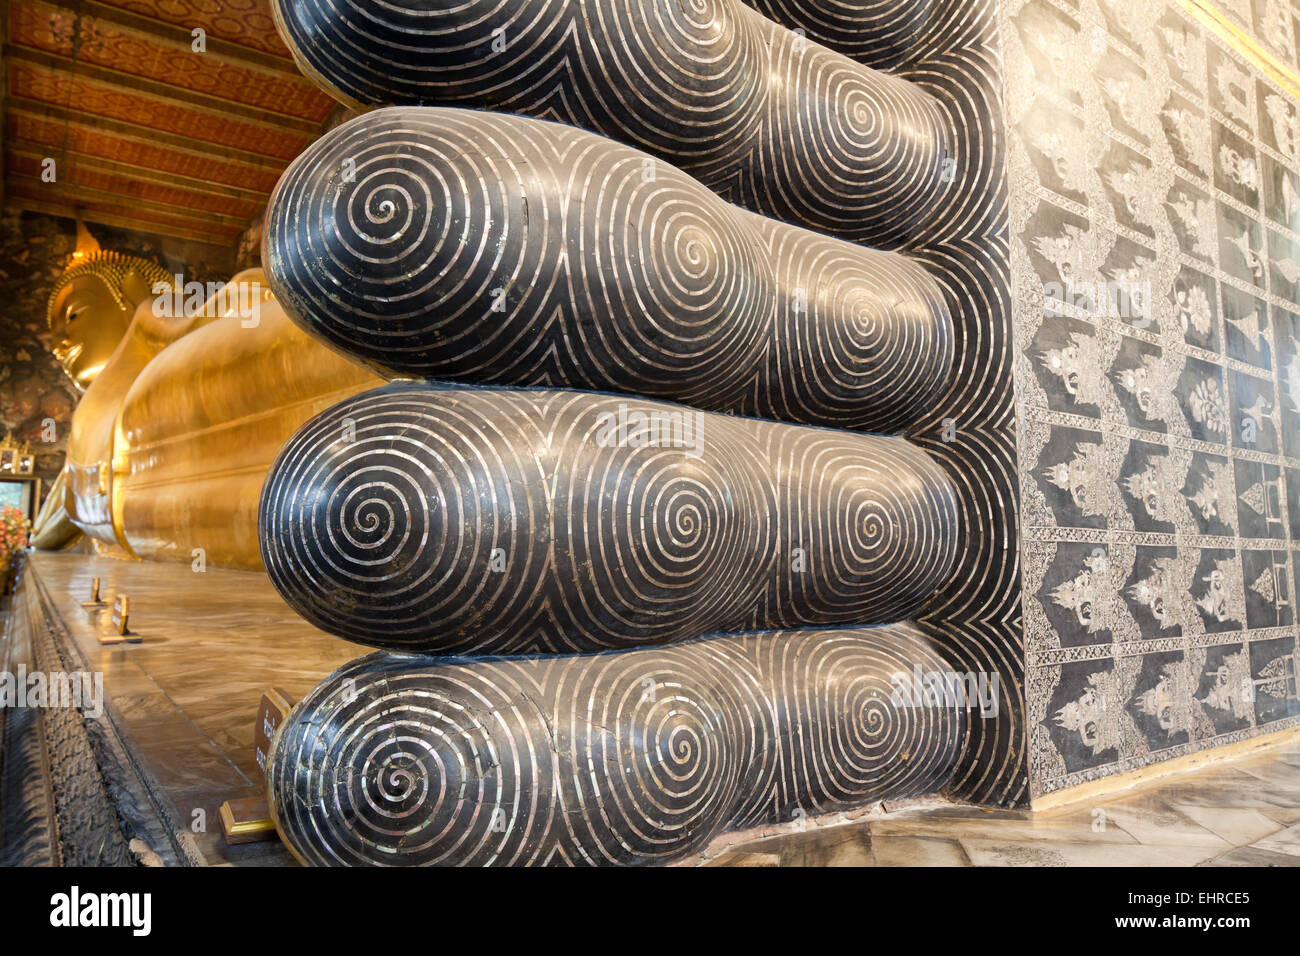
x=1245 y=44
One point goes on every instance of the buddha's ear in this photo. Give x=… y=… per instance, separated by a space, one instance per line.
x=136 y=286
x=54 y=308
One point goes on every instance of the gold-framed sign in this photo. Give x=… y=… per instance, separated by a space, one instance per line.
x=119 y=630
x=17 y=460
x=122 y=615
x=247 y=820
x=95 y=599
x=275 y=706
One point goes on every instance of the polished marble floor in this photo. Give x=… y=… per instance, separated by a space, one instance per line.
x=186 y=697
x=1244 y=812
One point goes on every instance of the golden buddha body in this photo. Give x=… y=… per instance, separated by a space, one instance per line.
x=186 y=403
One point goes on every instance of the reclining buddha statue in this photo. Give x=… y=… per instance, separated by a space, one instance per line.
x=186 y=401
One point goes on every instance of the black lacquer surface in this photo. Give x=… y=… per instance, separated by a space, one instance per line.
x=619 y=758
x=499 y=521
x=440 y=243
x=771 y=120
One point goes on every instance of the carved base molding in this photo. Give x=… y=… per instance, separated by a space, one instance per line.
x=70 y=792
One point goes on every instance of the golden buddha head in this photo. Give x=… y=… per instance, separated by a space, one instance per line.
x=91 y=307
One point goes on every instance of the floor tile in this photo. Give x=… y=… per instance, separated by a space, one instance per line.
x=1077 y=828
x=835 y=846
x=918 y=851
x=1153 y=822
x=1250 y=856
x=984 y=852
x=1284 y=841
x=1237 y=825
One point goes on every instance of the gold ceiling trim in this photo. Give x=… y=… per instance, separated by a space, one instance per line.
x=1241 y=41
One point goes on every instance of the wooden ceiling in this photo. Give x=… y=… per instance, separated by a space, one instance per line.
x=146 y=133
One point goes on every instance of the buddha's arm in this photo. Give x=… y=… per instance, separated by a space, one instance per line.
x=90 y=445
x=54 y=529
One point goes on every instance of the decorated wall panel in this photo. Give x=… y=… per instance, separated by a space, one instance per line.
x=1155 y=176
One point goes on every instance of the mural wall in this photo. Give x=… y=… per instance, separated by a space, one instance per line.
x=33 y=387
x=1156 y=277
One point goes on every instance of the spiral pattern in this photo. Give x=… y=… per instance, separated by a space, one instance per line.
x=955 y=53
x=441 y=243
x=768 y=119
x=482 y=521
x=477 y=521
x=619 y=758
x=861 y=340
x=877 y=32
x=843 y=150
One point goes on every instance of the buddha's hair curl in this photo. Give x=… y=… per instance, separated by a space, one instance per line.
x=111 y=268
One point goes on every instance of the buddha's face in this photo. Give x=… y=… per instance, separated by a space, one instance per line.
x=86 y=325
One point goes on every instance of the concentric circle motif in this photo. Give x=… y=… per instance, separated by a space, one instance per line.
x=878 y=32
x=763 y=115
x=441 y=243
x=624 y=561
x=623 y=758
x=452 y=520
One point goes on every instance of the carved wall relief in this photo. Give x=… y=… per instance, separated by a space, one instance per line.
x=1158 y=409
